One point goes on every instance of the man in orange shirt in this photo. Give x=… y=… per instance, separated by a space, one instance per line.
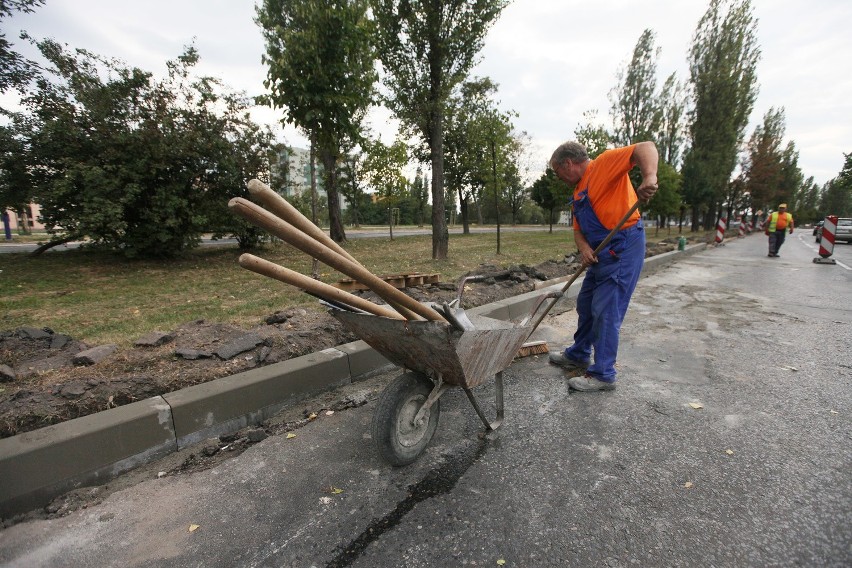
x=603 y=194
x=776 y=229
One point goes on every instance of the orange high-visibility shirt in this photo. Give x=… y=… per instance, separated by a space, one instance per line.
x=610 y=190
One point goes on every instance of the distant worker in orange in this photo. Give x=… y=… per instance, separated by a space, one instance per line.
x=777 y=226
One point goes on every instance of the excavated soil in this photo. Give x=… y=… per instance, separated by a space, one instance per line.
x=45 y=379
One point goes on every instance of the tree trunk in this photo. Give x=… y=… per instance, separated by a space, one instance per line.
x=440 y=233
x=550 y=218
x=335 y=225
x=24 y=225
x=496 y=191
x=51 y=244
x=465 y=211
x=313 y=167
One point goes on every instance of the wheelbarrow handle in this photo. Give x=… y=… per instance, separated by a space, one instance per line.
x=583 y=266
x=550 y=295
x=465 y=280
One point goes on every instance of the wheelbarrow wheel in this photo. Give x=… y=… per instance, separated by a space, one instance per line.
x=399 y=440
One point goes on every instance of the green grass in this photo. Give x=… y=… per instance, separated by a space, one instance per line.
x=101 y=298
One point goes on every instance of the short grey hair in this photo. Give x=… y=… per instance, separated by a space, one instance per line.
x=573 y=151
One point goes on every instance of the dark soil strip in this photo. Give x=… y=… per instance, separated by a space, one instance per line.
x=437 y=482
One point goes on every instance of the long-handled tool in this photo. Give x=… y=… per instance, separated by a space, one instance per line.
x=282 y=208
x=537 y=347
x=313 y=287
x=405 y=305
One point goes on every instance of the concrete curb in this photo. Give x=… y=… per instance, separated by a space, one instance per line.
x=37 y=466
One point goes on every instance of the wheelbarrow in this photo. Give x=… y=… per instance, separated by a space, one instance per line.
x=438 y=356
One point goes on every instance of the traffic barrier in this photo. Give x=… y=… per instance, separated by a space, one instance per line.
x=741 y=230
x=826 y=241
x=751 y=226
x=720 y=229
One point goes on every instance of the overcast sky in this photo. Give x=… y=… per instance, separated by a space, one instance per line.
x=553 y=59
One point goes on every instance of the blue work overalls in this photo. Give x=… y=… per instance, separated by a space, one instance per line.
x=607 y=287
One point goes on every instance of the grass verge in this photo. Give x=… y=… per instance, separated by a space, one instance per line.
x=102 y=298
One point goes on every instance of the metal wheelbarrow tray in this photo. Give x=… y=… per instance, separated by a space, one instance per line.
x=438 y=356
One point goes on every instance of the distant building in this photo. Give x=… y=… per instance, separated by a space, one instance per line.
x=291 y=173
x=29 y=218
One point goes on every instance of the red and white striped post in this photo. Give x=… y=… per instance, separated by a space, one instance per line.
x=720 y=229
x=741 y=230
x=826 y=241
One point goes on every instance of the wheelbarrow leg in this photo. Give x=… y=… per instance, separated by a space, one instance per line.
x=498 y=388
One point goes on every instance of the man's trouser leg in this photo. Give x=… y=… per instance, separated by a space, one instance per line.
x=779 y=239
x=772 y=239
x=584 y=336
x=616 y=281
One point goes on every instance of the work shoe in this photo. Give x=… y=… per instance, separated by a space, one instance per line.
x=587 y=383
x=559 y=358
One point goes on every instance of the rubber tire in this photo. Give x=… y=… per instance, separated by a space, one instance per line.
x=401 y=399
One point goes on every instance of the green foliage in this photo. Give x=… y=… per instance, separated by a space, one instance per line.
x=550 y=193
x=136 y=165
x=350 y=183
x=593 y=135
x=481 y=150
x=635 y=111
x=763 y=162
x=671 y=133
x=15 y=70
x=321 y=75
x=427 y=48
x=383 y=169
x=837 y=194
x=667 y=201
x=722 y=62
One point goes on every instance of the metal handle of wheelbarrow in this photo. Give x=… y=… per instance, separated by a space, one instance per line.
x=465 y=280
x=583 y=267
x=549 y=296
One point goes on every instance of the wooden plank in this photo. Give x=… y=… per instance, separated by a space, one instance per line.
x=395 y=280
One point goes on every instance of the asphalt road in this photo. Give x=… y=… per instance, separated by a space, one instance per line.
x=726 y=443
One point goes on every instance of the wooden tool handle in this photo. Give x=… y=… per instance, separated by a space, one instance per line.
x=582 y=268
x=282 y=208
x=321 y=289
x=405 y=305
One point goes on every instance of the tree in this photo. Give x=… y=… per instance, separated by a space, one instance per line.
x=15 y=183
x=350 y=179
x=513 y=187
x=671 y=134
x=592 y=135
x=383 y=168
x=15 y=70
x=136 y=165
x=321 y=74
x=792 y=177
x=427 y=48
x=761 y=167
x=837 y=193
x=806 y=201
x=550 y=193
x=666 y=201
x=635 y=112
x=722 y=65
x=420 y=195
